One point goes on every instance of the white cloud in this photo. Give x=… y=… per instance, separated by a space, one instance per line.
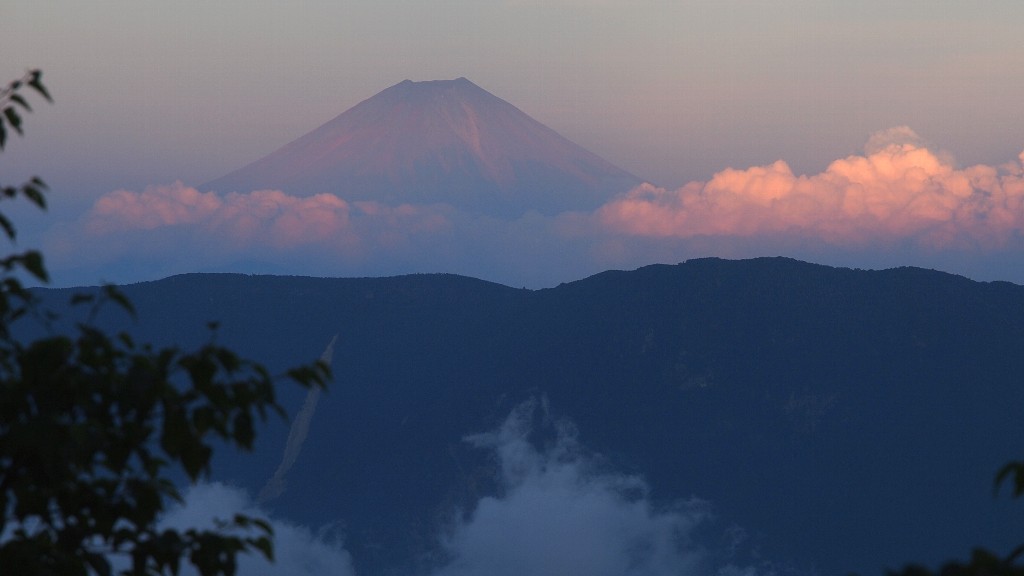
x=895 y=136
x=297 y=550
x=898 y=191
x=899 y=203
x=561 y=513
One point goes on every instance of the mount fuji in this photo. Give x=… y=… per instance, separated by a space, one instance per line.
x=438 y=142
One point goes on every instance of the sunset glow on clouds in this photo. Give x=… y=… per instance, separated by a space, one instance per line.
x=899 y=193
x=896 y=191
x=267 y=218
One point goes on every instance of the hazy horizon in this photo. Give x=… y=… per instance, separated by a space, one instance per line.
x=763 y=130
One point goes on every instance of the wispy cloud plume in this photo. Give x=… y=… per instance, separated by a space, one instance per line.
x=897 y=190
x=296 y=435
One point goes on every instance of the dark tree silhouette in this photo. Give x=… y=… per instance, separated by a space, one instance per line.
x=94 y=425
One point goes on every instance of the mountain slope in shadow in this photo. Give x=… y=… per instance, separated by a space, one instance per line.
x=846 y=420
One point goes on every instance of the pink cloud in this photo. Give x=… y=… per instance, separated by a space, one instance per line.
x=288 y=220
x=154 y=207
x=175 y=228
x=267 y=218
x=898 y=203
x=897 y=190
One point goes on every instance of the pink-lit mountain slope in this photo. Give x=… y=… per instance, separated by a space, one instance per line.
x=445 y=141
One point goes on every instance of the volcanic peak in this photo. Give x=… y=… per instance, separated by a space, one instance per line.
x=438 y=141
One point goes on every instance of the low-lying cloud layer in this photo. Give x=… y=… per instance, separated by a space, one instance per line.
x=268 y=219
x=559 y=512
x=899 y=195
x=898 y=190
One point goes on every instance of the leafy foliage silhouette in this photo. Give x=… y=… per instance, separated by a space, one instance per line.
x=93 y=426
x=984 y=562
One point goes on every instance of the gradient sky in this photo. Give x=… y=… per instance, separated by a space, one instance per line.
x=676 y=92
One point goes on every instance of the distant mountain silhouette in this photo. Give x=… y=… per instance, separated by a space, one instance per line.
x=445 y=141
x=845 y=420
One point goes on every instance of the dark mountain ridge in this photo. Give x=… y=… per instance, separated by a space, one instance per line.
x=847 y=420
x=441 y=141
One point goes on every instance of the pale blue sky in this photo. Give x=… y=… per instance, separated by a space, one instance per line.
x=152 y=92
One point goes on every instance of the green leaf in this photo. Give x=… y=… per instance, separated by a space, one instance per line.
x=80 y=298
x=99 y=563
x=20 y=100
x=263 y=525
x=34 y=194
x=8 y=226
x=13 y=118
x=264 y=545
x=114 y=294
x=34 y=265
x=36 y=83
x=196 y=460
x=1014 y=470
x=126 y=340
x=317 y=374
x=175 y=432
x=244 y=432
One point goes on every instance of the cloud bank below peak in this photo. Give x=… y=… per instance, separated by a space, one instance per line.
x=898 y=203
